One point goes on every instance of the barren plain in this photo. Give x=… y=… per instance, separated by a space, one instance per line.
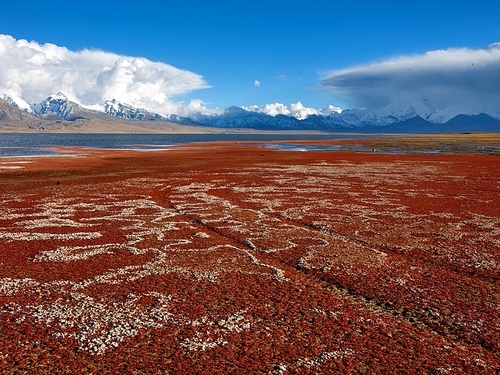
x=231 y=258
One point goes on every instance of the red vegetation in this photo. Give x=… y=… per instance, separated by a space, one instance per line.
x=236 y=259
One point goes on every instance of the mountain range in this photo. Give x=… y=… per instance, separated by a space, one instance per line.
x=402 y=116
x=59 y=115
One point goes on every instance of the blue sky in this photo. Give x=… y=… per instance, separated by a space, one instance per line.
x=288 y=47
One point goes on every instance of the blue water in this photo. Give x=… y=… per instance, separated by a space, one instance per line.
x=303 y=147
x=44 y=144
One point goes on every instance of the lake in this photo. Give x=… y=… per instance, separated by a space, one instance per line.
x=12 y=145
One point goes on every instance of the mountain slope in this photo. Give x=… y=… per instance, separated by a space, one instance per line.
x=17 y=102
x=58 y=113
x=57 y=106
x=12 y=116
x=350 y=120
x=117 y=109
x=15 y=120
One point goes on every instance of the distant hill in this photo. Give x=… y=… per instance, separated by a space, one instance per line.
x=15 y=120
x=58 y=114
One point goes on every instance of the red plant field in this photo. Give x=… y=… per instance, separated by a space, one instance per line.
x=232 y=259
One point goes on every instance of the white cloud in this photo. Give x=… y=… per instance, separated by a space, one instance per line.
x=441 y=79
x=256 y=83
x=281 y=77
x=296 y=110
x=193 y=109
x=33 y=71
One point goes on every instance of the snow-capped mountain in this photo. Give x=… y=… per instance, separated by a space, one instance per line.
x=117 y=109
x=17 y=102
x=11 y=113
x=397 y=115
x=406 y=109
x=404 y=115
x=236 y=117
x=57 y=105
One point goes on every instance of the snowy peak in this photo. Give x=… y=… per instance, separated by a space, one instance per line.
x=402 y=115
x=11 y=113
x=59 y=96
x=117 y=109
x=403 y=110
x=406 y=109
x=17 y=102
x=56 y=105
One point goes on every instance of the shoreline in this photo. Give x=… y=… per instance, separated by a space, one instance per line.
x=446 y=144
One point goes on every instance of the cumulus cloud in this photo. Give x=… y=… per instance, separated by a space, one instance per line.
x=281 y=77
x=256 y=83
x=441 y=79
x=193 y=109
x=297 y=110
x=33 y=71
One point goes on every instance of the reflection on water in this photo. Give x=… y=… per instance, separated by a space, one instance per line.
x=302 y=147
